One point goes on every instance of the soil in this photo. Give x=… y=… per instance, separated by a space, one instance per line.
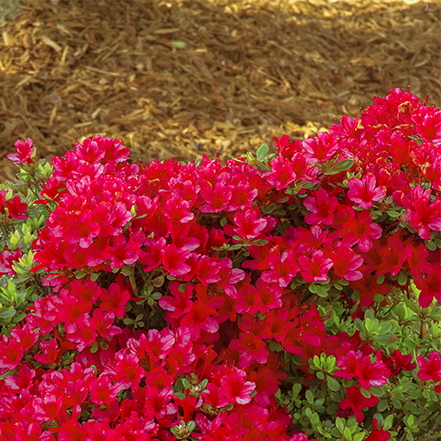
x=187 y=77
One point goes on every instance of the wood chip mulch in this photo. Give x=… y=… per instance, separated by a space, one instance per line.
x=186 y=77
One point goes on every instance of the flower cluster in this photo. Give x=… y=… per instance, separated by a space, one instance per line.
x=275 y=297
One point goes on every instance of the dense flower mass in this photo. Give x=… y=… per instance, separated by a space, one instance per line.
x=272 y=298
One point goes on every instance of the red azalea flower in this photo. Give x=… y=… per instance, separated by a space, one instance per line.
x=179 y=303
x=364 y=192
x=158 y=401
x=152 y=257
x=184 y=236
x=368 y=287
x=430 y=369
x=422 y=214
x=400 y=362
x=248 y=300
x=103 y=324
x=216 y=199
x=243 y=197
x=249 y=223
x=371 y=374
x=378 y=434
x=7 y=259
x=316 y=267
x=251 y=348
x=235 y=387
x=83 y=332
x=282 y=173
x=266 y=386
x=24 y=151
x=121 y=252
x=417 y=261
x=51 y=192
x=210 y=429
x=114 y=300
x=428 y=123
x=207 y=270
x=320 y=149
x=200 y=317
x=356 y=401
x=173 y=260
x=49 y=351
x=47 y=408
x=270 y=295
x=361 y=230
x=283 y=269
x=214 y=396
x=178 y=210
x=346 y=263
x=125 y=371
x=16 y=208
x=322 y=208
x=2 y=201
x=285 y=147
x=276 y=324
x=430 y=286
x=395 y=253
x=81 y=230
x=348 y=365
x=102 y=390
x=72 y=308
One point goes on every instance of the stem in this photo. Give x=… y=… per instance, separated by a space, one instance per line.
x=133 y=282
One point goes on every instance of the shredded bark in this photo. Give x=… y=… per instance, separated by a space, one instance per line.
x=186 y=77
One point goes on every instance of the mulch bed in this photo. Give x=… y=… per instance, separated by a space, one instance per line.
x=186 y=77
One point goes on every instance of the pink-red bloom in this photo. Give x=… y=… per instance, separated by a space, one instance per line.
x=24 y=151
x=430 y=369
x=235 y=387
x=378 y=434
x=365 y=192
x=356 y=401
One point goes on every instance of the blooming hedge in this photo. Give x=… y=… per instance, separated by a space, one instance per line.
x=290 y=296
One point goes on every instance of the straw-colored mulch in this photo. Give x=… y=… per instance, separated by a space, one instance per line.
x=250 y=70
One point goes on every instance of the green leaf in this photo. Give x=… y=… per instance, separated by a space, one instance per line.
x=402 y=279
x=347 y=433
x=296 y=389
x=344 y=165
x=431 y=246
x=309 y=397
x=382 y=405
x=333 y=384
x=158 y=282
x=388 y=422
x=340 y=424
x=359 y=436
x=368 y=325
x=185 y=383
x=315 y=419
x=377 y=391
x=7 y=314
x=396 y=403
x=380 y=279
x=262 y=151
x=178 y=44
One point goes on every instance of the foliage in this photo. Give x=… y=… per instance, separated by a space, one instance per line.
x=290 y=296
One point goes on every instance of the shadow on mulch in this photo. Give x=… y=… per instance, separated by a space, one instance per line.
x=250 y=70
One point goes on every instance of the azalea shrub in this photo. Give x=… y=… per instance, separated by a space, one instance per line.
x=284 y=296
